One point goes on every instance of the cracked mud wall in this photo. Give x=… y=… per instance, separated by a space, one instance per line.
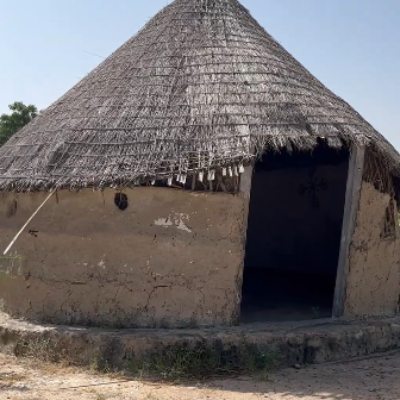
x=172 y=259
x=373 y=283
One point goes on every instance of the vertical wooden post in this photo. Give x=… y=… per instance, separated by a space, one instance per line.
x=245 y=191
x=353 y=189
x=245 y=182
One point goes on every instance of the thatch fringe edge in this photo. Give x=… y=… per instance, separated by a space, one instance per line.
x=257 y=148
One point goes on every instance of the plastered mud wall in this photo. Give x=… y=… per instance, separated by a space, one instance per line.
x=171 y=259
x=373 y=283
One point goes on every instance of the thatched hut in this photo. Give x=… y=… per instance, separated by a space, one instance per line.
x=201 y=175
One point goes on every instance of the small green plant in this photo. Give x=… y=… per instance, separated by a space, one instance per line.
x=101 y=364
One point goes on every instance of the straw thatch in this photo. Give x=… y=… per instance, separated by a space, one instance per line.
x=200 y=87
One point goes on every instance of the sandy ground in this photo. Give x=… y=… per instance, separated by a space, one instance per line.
x=372 y=379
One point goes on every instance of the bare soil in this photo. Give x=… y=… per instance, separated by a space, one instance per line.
x=369 y=379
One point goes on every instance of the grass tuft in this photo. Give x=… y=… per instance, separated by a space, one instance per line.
x=177 y=362
x=204 y=361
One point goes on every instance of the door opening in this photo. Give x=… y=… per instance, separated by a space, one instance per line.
x=293 y=235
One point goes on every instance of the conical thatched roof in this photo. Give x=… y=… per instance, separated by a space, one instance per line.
x=202 y=85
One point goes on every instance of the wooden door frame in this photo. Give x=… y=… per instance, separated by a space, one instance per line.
x=351 y=207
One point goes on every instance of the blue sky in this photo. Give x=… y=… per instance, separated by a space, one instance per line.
x=352 y=46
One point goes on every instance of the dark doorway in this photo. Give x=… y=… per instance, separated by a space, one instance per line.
x=293 y=235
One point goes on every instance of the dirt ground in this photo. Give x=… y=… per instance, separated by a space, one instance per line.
x=371 y=379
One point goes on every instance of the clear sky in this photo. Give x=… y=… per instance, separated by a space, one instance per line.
x=352 y=46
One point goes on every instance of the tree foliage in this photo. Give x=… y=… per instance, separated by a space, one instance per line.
x=19 y=117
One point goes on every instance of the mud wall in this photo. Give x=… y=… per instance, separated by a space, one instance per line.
x=373 y=283
x=171 y=259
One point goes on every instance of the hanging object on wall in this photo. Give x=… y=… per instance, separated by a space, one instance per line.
x=211 y=175
x=313 y=186
x=201 y=176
